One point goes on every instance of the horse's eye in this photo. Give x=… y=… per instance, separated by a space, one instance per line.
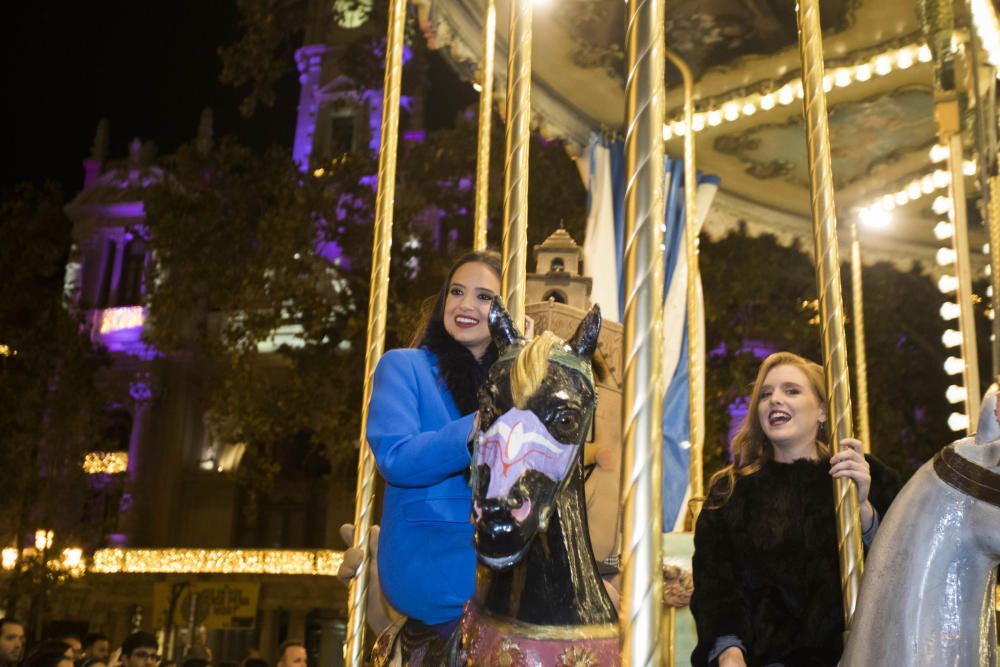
x=567 y=421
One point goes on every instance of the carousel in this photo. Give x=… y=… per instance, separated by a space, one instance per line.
x=807 y=122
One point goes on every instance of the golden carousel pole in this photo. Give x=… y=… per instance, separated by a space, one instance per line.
x=485 y=128
x=838 y=386
x=860 y=355
x=377 y=302
x=642 y=580
x=515 y=200
x=696 y=364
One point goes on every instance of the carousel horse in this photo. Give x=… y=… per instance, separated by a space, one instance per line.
x=927 y=595
x=539 y=599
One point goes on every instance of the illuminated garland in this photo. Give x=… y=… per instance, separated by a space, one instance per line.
x=118 y=319
x=217 y=561
x=106 y=463
x=838 y=77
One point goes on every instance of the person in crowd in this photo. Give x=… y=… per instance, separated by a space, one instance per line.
x=140 y=649
x=96 y=662
x=75 y=645
x=255 y=662
x=11 y=641
x=766 y=571
x=55 y=646
x=48 y=657
x=292 y=653
x=96 y=645
x=420 y=420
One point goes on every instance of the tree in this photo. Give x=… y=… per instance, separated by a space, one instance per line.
x=52 y=408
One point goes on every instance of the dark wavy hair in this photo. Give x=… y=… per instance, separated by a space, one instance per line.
x=461 y=372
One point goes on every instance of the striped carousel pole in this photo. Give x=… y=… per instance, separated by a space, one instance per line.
x=838 y=386
x=642 y=582
x=515 y=200
x=860 y=354
x=485 y=127
x=377 y=303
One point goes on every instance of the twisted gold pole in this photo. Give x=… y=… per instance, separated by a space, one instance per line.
x=994 y=225
x=515 y=200
x=670 y=637
x=485 y=127
x=696 y=365
x=642 y=581
x=860 y=355
x=377 y=302
x=838 y=386
x=960 y=242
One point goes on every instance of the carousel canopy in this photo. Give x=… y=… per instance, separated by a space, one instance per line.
x=750 y=130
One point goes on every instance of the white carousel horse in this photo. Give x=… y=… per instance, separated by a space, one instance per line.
x=927 y=595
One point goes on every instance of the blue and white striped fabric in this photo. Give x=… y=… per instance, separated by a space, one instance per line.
x=603 y=252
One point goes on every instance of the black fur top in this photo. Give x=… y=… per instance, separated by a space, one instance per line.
x=766 y=565
x=461 y=372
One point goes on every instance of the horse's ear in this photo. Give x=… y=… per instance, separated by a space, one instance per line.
x=584 y=339
x=502 y=328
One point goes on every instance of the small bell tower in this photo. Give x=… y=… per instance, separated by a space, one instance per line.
x=557 y=273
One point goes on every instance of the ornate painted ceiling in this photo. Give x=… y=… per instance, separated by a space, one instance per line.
x=740 y=51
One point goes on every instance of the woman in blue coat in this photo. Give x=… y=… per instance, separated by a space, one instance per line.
x=419 y=422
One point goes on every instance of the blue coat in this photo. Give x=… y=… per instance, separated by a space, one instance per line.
x=427 y=560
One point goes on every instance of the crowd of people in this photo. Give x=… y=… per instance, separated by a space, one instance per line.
x=139 y=649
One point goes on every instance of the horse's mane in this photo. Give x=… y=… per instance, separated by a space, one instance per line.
x=530 y=367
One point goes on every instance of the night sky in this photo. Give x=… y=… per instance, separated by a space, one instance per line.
x=150 y=67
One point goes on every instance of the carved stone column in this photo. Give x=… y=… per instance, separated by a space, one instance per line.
x=141 y=391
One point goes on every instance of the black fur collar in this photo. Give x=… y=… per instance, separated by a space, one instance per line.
x=461 y=373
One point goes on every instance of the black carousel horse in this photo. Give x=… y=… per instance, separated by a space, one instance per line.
x=539 y=598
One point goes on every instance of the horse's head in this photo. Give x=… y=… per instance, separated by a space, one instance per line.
x=535 y=412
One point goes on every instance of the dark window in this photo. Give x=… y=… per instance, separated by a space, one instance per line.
x=130 y=282
x=107 y=273
x=341 y=134
x=118 y=430
x=558 y=265
x=554 y=295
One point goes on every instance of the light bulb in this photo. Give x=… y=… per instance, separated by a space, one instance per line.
x=863 y=73
x=883 y=65
x=939 y=153
x=698 y=122
x=955 y=394
x=767 y=102
x=731 y=111
x=949 y=311
x=875 y=217
x=947 y=284
x=904 y=58
x=945 y=256
x=924 y=54
x=954 y=365
x=944 y=230
x=714 y=117
x=951 y=338
x=958 y=422
x=941 y=205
